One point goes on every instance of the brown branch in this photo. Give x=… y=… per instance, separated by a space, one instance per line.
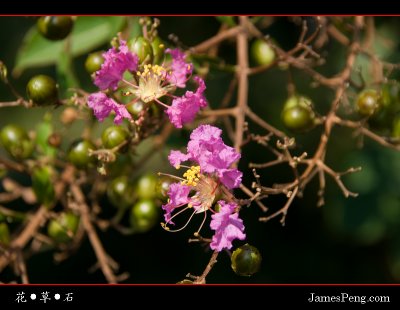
x=215 y=40
x=366 y=132
x=22 y=268
x=202 y=279
x=219 y=112
x=11 y=165
x=260 y=122
x=338 y=35
x=336 y=177
x=283 y=210
x=93 y=237
x=25 y=236
x=243 y=83
x=15 y=103
x=253 y=197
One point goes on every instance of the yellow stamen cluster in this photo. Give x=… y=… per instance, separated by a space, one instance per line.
x=192 y=176
x=150 y=70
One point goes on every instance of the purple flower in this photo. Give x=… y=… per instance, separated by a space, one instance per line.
x=179 y=68
x=227 y=225
x=153 y=82
x=176 y=157
x=184 y=109
x=116 y=62
x=202 y=184
x=207 y=148
x=102 y=107
x=178 y=196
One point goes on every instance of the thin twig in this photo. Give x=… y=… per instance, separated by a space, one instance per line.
x=93 y=237
x=243 y=83
x=202 y=279
x=215 y=40
x=26 y=235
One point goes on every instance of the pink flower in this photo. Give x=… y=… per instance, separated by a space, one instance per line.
x=179 y=68
x=227 y=225
x=207 y=148
x=178 y=196
x=102 y=107
x=152 y=82
x=202 y=184
x=184 y=109
x=116 y=62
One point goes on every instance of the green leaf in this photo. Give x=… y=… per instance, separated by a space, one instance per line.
x=66 y=77
x=42 y=185
x=4 y=234
x=89 y=32
x=43 y=131
x=229 y=20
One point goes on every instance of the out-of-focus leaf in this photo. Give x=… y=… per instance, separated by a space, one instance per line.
x=4 y=234
x=42 y=185
x=65 y=73
x=88 y=33
x=229 y=20
x=43 y=131
x=134 y=28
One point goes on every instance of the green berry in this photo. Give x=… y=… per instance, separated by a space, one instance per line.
x=144 y=215
x=63 y=228
x=368 y=102
x=396 y=127
x=389 y=106
x=120 y=192
x=142 y=48
x=114 y=136
x=16 y=142
x=42 y=90
x=185 y=281
x=94 y=61
x=246 y=260
x=262 y=52
x=43 y=185
x=158 y=50
x=162 y=187
x=4 y=234
x=79 y=153
x=135 y=108
x=298 y=114
x=55 y=27
x=147 y=186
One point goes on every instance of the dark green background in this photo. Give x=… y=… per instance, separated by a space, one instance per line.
x=355 y=240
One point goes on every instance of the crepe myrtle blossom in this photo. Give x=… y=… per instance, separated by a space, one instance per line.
x=207 y=181
x=149 y=83
x=102 y=107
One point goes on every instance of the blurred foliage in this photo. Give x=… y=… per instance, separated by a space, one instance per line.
x=353 y=240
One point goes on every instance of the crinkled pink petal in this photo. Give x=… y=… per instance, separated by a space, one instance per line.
x=120 y=113
x=176 y=157
x=208 y=149
x=227 y=225
x=184 y=109
x=116 y=62
x=202 y=102
x=206 y=133
x=178 y=196
x=231 y=178
x=180 y=69
x=102 y=106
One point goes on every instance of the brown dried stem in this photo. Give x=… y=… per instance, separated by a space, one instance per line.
x=92 y=234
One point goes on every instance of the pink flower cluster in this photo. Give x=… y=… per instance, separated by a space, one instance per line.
x=211 y=177
x=153 y=82
x=207 y=148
